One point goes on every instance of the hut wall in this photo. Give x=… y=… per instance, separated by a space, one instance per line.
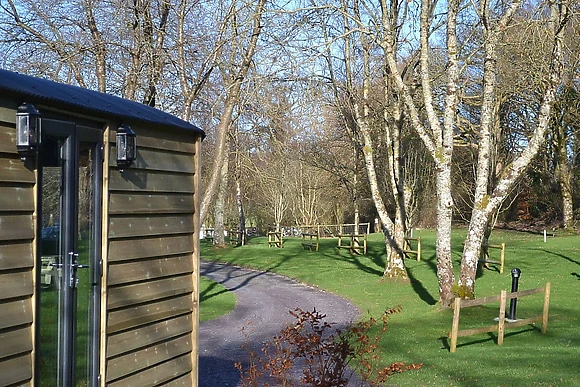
x=17 y=238
x=151 y=261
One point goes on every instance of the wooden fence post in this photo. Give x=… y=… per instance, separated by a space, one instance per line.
x=455 y=327
x=501 y=325
x=419 y=249
x=546 y=307
x=502 y=258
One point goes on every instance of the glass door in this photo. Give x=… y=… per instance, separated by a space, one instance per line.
x=69 y=169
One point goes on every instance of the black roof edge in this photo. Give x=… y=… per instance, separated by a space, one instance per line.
x=89 y=101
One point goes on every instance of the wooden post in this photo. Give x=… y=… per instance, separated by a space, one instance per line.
x=546 y=307
x=455 y=327
x=502 y=258
x=317 y=239
x=419 y=249
x=501 y=325
x=365 y=242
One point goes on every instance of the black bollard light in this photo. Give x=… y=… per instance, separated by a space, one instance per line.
x=513 y=302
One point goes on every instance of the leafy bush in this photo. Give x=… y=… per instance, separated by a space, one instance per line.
x=325 y=357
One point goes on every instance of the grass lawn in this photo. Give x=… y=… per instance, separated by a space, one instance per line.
x=215 y=300
x=418 y=334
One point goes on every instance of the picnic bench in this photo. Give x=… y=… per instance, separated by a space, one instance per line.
x=310 y=240
x=484 y=258
x=275 y=238
x=354 y=243
x=235 y=237
x=209 y=235
x=408 y=248
x=49 y=270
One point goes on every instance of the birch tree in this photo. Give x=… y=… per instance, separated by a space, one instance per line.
x=488 y=199
x=436 y=131
x=353 y=79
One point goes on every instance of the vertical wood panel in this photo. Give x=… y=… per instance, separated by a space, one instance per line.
x=104 y=253
x=196 y=264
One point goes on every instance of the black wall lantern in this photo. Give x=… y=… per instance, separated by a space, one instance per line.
x=126 y=146
x=27 y=130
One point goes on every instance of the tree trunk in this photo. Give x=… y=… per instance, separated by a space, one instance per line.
x=219 y=207
x=564 y=177
x=486 y=205
x=239 y=196
x=232 y=100
x=241 y=214
x=445 y=275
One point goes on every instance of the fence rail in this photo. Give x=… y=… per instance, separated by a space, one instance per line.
x=501 y=325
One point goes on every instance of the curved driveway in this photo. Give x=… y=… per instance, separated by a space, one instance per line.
x=263 y=301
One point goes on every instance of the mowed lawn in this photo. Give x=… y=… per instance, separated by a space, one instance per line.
x=419 y=333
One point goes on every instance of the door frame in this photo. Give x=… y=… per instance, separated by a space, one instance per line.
x=74 y=134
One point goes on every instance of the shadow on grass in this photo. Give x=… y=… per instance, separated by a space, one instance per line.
x=421 y=291
x=210 y=292
x=359 y=262
x=446 y=341
x=561 y=256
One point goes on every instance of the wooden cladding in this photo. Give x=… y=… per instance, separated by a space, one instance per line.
x=127 y=249
x=17 y=184
x=150 y=272
x=142 y=181
x=137 y=203
x=140 y=226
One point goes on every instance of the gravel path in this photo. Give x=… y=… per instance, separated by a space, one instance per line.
x=263 y=301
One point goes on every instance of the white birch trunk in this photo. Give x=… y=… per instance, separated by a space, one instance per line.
x=486 y=205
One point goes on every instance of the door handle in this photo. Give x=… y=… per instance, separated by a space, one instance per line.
x=74 y=265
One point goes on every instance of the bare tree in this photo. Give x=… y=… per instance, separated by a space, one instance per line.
x=233 y=77
x=487 y=203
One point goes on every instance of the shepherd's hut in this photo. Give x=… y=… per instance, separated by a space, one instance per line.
x=99 y=248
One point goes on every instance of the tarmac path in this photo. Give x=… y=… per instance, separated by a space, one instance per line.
x=263 y=302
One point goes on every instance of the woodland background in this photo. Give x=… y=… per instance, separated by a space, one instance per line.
x=420 y=113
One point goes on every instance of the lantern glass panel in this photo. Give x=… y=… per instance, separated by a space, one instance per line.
x=122 y=146
x=23 y=130
x=131 y=147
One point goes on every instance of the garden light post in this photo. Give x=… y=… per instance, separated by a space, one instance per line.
x=513 y=302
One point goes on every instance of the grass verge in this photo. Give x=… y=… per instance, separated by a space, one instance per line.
x=215 y=300
x=418 y=334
